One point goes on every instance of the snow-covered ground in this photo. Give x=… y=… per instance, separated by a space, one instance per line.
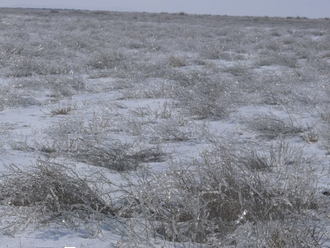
x=163 y=130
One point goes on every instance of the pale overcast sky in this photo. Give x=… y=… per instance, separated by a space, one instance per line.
x=307 y=8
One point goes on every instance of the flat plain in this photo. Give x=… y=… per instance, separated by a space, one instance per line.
x=163 y=130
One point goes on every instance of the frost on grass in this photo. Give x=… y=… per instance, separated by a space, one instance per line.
x=205 y=67
x=4 y=135
x=271 y=126
x=54 y=85
x=118 y=156
x=48 y=192
x=63 y=108
x=218 y=193
x=9 y=98
x=202 y=96
x=108 y=60
x=93 y=142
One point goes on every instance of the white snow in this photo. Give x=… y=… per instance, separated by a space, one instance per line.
x=145 y=104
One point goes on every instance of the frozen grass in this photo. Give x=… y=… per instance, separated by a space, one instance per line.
x=101 y=60
x=62 y=108
x=119 y=157
x=221 y=191
x=93 y=142
x=148 y=108
x=48 y=192
x=272 y=126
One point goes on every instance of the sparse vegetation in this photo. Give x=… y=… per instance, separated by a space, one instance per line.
x=186 y=130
